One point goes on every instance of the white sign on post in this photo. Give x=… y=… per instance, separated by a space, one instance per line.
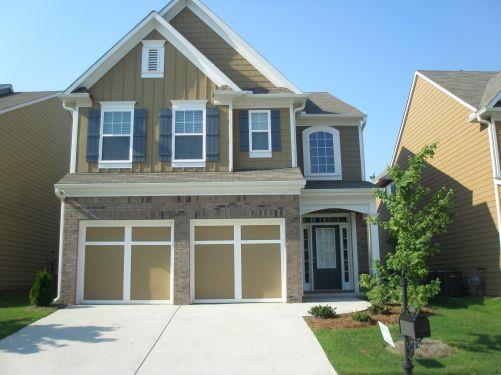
x=385 y=331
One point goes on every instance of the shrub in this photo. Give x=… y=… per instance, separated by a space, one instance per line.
x=41 y=292
x=324 y=312
x=362 y=316
x=376 y=309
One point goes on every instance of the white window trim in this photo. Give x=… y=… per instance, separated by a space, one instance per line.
x=260 y=153
x=189 y=105
x=237 y=242
x=338 y=175
x=116 y=107
x=127 y=243
x=152 y=44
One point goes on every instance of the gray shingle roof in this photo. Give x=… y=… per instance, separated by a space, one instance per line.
x=476 y=88
x=17 y=98
x=339 y=185
x=287 y=174
x=323 y=103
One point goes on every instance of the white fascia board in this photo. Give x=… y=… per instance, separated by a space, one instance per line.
x=136 y=35
x=25 y=104
x=357 y=116
x=409 y=97
x=248 y=100
x=230 y=37
x=181 y=189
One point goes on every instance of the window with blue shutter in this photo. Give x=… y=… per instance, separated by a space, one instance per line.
x=275 y=130
x=93 y=133
x=165 y=136
x=212 y=134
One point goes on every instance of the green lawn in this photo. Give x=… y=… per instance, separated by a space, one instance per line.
x=16 y=312
x=471 y=325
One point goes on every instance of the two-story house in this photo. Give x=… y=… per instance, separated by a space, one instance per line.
x=199 y=173
x=461 y=111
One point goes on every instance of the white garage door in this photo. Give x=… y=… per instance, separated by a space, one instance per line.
x=237 y=260
x=125 y=261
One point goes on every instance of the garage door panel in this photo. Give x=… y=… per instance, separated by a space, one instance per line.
x=150 y=272
x=103 y=272
x=151 y=233
x=261 y=271
x=214 y=272
x=105 y=234
x=260 y=232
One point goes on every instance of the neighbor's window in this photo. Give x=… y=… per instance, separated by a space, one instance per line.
x=116 y=134
x=189 y=134
x=260 y=133
x=152 y=59
x=322 y=153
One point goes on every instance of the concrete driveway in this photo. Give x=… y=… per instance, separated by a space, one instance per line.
x=162 y=339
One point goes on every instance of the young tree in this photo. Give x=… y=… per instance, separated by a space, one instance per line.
x=416 y=216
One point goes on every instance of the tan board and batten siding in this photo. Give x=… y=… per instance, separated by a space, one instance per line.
x=182 y=81
x=34 y=148
x=463 y=163
x=350 y=145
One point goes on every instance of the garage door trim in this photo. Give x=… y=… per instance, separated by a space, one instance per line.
x=238 y=242
x=127 y=243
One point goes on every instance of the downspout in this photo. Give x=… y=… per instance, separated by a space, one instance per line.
x=230 y=136
x=292 y=114
x=74 y=135
x=61 y=195
x=495 y=166
x=361 y=128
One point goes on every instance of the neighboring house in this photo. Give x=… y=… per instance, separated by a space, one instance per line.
x=34 y=147
x=200 y=173
x=461 y=111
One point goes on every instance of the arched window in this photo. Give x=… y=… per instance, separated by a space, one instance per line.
x=322 y=153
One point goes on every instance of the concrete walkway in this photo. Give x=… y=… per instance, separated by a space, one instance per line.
x=193 y=339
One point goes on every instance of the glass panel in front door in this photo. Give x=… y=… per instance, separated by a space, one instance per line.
x=326 y=248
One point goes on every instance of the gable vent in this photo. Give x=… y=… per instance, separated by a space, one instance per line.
x=153 y=59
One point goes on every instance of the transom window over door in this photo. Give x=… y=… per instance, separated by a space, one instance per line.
x=322 y=153
x=189 y=134
x=260 y=134
x=117 y=129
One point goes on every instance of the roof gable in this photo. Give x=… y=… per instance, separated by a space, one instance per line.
x=151 y=22
x=231 y=38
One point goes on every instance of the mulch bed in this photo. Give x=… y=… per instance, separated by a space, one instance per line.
x=347 y=321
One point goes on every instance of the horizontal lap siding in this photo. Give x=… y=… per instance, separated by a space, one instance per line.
x=463 y=163
x=35 y=150
x=350 y=151
x=182 y=81
x=279 y=159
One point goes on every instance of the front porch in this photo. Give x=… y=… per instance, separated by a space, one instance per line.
x=337 y=242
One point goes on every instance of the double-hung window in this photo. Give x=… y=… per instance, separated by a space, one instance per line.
x=188 y=141
x=117 y=127
x=260 y=134
x=322 y=153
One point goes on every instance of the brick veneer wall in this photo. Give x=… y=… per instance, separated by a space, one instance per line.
x=362 y=244
x=181 y=210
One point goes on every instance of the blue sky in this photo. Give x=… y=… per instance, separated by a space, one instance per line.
x=364 y=52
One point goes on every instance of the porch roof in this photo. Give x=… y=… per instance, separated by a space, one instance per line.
x=319 y=184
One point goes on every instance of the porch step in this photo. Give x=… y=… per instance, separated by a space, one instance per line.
x=324 y=296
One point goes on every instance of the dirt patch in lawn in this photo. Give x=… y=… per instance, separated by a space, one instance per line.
x=428 y=349
x=347 y=321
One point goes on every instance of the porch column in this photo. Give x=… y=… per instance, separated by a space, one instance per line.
x=374 y=241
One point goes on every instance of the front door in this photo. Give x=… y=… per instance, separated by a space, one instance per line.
x=326 y=257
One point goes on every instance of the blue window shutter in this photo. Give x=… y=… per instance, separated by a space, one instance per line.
x=93 y=133
x=212 y=134
x=244 y=131
x=139 y=136
x=275 y=130
x=165 y=136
